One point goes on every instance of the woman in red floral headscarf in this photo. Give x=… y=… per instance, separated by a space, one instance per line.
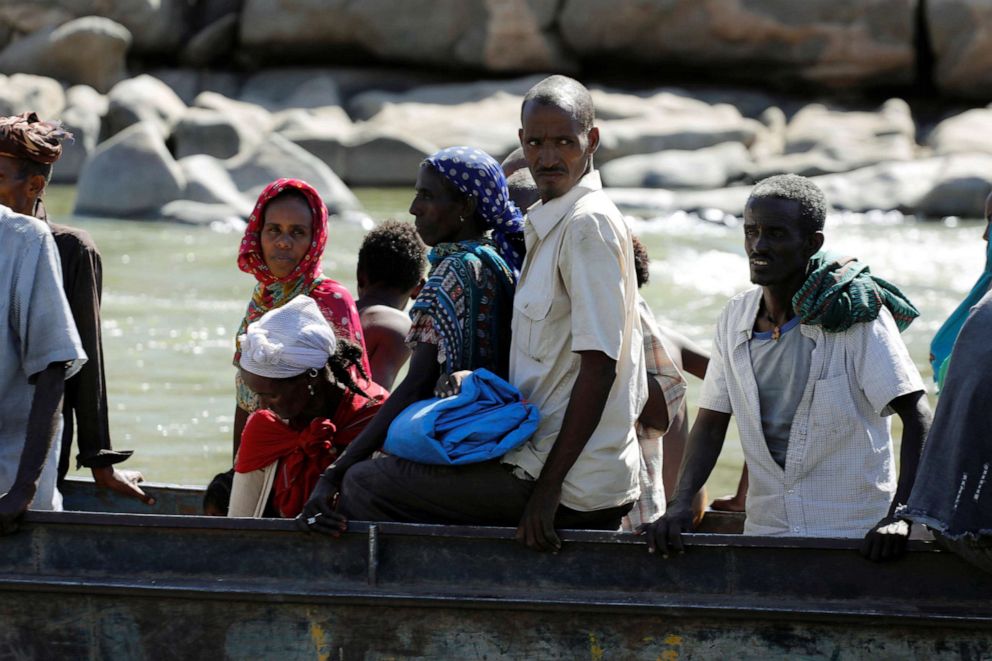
x=282 y=247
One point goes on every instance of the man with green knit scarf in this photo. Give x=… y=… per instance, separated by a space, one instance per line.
x=810 y=363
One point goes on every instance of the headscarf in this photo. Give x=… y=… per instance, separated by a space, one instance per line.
x=476 y=173
x=272 y=292
x=841 y=291
x=26 y=137
x=943 y=341
x=288 y=341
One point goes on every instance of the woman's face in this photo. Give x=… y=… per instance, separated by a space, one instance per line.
x=286 y=234
x=285 y=397
x=436 y=211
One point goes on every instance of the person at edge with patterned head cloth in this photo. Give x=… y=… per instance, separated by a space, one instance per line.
x=811 y=365
x=28 y=149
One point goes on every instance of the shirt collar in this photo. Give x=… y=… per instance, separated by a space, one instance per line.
x=745 y=322
x=544 y=217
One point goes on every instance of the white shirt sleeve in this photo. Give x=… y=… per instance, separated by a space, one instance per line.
x=882 y=363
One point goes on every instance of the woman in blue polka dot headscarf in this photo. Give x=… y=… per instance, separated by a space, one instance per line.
x=477 y=174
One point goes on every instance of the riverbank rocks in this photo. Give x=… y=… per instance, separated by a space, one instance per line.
x=22 y=92
x=498 y=35
x=970 y=131
x=832 y=43
x=712 y=167
x=84 y=110
x=143 y=99
x=157 y=26
x=962 y=46
x=132 y=175
x=963 y=183
x=87 y=51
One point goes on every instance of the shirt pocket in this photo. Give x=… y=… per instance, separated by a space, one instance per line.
x=833 y=426
x=536 y=332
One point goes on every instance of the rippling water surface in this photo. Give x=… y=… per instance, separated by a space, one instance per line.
x=173 y=298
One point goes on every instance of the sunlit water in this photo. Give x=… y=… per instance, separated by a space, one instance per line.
x=173 y=298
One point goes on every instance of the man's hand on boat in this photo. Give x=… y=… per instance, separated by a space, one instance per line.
x=12 y=506
x=319 y=512
x=664 y=535
x=887 y=540
x=124 y=482
x=537 y=525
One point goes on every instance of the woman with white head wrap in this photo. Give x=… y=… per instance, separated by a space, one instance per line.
x=312 y=407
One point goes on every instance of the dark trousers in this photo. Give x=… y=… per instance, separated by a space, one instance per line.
x=484 y=494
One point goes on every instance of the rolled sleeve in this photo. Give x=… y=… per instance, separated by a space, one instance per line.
x=592 y=270
x=884 y=368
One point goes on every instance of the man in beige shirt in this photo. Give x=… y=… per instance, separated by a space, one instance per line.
x=576 y=346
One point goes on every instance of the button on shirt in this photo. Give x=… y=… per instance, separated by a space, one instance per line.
x=38 y=330
x=839 y=476
x=577 y=293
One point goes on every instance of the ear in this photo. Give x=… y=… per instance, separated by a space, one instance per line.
x=360 y=278
x=815 y=242
x=520 y=137
x=415 y=292
x=36 y=185
x=470 y=204
x=593 y=139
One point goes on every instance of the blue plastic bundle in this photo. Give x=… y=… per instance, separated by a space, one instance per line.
x=487 y=419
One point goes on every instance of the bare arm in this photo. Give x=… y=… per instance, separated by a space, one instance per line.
x=597 y=371
x=888 y=538
x=655 y=412
x=701 y=454
x=43 y=419
x=418 y=385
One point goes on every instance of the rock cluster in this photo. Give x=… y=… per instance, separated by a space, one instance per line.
x=170 y=145
x=839 y=44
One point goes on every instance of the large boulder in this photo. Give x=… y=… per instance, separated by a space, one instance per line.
x=143 y=99
x=86 y=51
x=961 y=188
x=833 y=43
x=511 y=35
x=893 y=185
x=209 y=182
x=962 y=46
x=211 y=43
x=654 y=133
x=713 y=167
x=823 y=140
x=132 y=175
x=209 y=132
x=280 y=89
x=970 y=131
x=83 y=115
x=277 y=157
x=384 y=159
x=158 y=26
x=22 y=92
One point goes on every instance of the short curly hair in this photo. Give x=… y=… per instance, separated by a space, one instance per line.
x=642 y=263
x=393 y=255
x=793 y=187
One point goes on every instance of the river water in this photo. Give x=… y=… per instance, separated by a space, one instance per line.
x=173 y=298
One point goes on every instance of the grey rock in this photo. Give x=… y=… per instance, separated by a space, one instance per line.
x=132 y=175
x=962 y=46
x=291 y=88
x=158 y=26
x=143 y=99
x=188 y=212
x=649 y=134
x=257 y=117
x=88 y=51
x=712 y=167
x=510 y=35
x=22 y=92
x=277 y=157
x=209 y=132
x=833 y=43
x=970 y=131
x=82 y=116
x=961 y=188
x=26 y=17
x=368 y=104
x=893 y=185
x=209 y=182
x=381 y=159
x=212 y=42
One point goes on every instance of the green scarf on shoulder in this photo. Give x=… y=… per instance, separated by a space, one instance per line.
x=841 y=291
